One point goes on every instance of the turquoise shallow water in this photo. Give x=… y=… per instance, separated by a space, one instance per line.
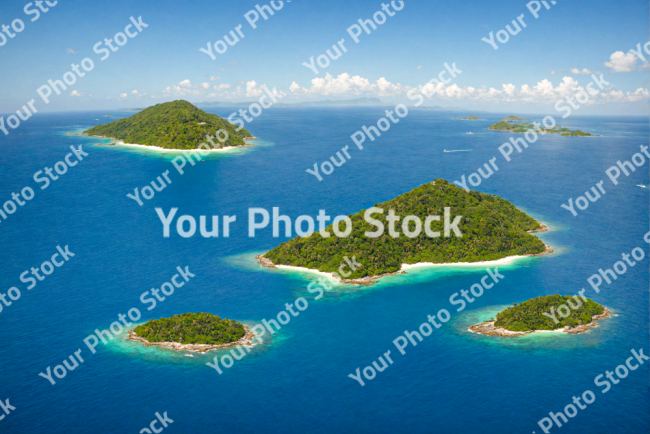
x=452 y=382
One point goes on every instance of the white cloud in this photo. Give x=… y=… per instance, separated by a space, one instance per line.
x=543 y=92
x=552 y=72
x=215 y=78
x=386 y=88
x=71 y=51
x=185 y=88
x=123 y=95
x=618 y=96
x=418 y=68
x=295 y=88
x=585 y=71
x=138 y=94
x=253 y=90
x=345 y=84
x=622 y=62
x=75 y=93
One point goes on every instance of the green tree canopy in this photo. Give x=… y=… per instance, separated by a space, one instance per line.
x=192 y=328
x=529 y=315
x=524 y=127
x=173 y=125
x=492 y=229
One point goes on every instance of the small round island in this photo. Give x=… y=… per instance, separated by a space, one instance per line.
x=551 y=313
x=193 y=332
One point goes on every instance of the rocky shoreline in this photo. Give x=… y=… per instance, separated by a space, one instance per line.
x=487 y=328
x=548 y=251
x=543 y=228
x=201 y=348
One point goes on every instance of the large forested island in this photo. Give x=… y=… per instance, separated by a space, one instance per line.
x=192 y=331
x=574 y=314
x=492 y=229
x=171 y=125
x=524 y=127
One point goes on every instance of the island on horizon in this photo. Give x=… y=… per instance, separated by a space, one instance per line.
x=514 y=118
x=493 y=229
x=469 y=118
x=172 y=125
x=544 y=314
x=524 y=127
x=193 y=332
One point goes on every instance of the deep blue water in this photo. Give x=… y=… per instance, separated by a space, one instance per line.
x=452 y=382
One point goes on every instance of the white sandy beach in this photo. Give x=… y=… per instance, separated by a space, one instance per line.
x=309 y=270
x=502 y=261
x=550 y=331
x=157 y=148
x=527 y=334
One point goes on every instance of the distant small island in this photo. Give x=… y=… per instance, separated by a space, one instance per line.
x=528 y=317
x=524 y=127
x=492 y=229
x=514 y=119
x=192 y=332
x=108 y=116
x=469 y=118
x=171 y=125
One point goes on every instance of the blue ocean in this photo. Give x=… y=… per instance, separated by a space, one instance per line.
x=297 y=380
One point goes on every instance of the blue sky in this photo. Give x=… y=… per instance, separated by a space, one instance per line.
x=407 y=51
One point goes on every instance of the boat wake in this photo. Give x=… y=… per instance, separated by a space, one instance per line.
x=459 y=150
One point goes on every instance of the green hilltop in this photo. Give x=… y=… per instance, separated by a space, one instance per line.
x=192 y=328
x=173 y=125
x=492 y=229
x=525 y=127
x=469 y=118
x=529 y=316
x=514 y=119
